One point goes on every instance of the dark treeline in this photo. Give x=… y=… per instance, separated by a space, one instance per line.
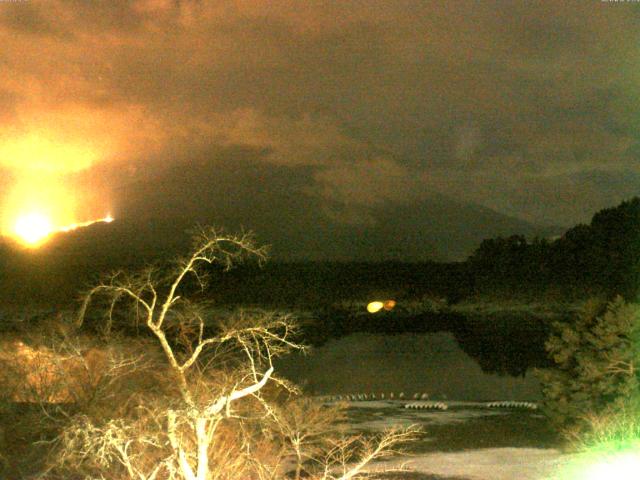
x=602 y=258
x=599 y=259
x=316 y=285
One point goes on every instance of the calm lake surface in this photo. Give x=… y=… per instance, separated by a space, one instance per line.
x=474 y=360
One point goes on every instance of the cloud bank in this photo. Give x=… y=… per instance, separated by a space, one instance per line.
x=529 y=109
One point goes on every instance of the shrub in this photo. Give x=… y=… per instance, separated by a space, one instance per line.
x=612 y=430
x=596 y=366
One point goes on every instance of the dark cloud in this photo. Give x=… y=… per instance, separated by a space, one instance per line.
x=28 y=19
x=504 y=105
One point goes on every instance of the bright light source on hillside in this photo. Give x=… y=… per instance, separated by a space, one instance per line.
x=41 y=199
x=33 y=228
x=75 y=226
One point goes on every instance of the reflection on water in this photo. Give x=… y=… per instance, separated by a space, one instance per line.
x=452 y=357
x=509 y=346
x=432 y=363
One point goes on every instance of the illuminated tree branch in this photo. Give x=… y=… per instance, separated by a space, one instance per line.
x=220 y=367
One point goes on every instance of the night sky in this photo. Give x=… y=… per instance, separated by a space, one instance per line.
x=421 y=126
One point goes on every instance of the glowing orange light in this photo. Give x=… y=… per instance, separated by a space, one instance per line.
x=41 y=200
x=33 y=228
x=389 y=305
x=376 y=306
x=75 y=226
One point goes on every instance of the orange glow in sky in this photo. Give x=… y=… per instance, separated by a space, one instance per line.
x=41 y=200
x=39 y=153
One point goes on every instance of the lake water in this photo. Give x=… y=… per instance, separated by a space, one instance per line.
x=474 y=360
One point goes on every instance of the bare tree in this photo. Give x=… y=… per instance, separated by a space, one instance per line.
x=349 y=456
x=260 y=340
x=308 y=430
x=220 y=368
x=322 y=448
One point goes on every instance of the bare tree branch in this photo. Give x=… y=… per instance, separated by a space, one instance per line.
x=221 y=367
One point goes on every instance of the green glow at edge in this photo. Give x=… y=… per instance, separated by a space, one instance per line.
x=613 y=461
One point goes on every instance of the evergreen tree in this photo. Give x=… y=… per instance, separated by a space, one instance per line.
x=596 y=360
